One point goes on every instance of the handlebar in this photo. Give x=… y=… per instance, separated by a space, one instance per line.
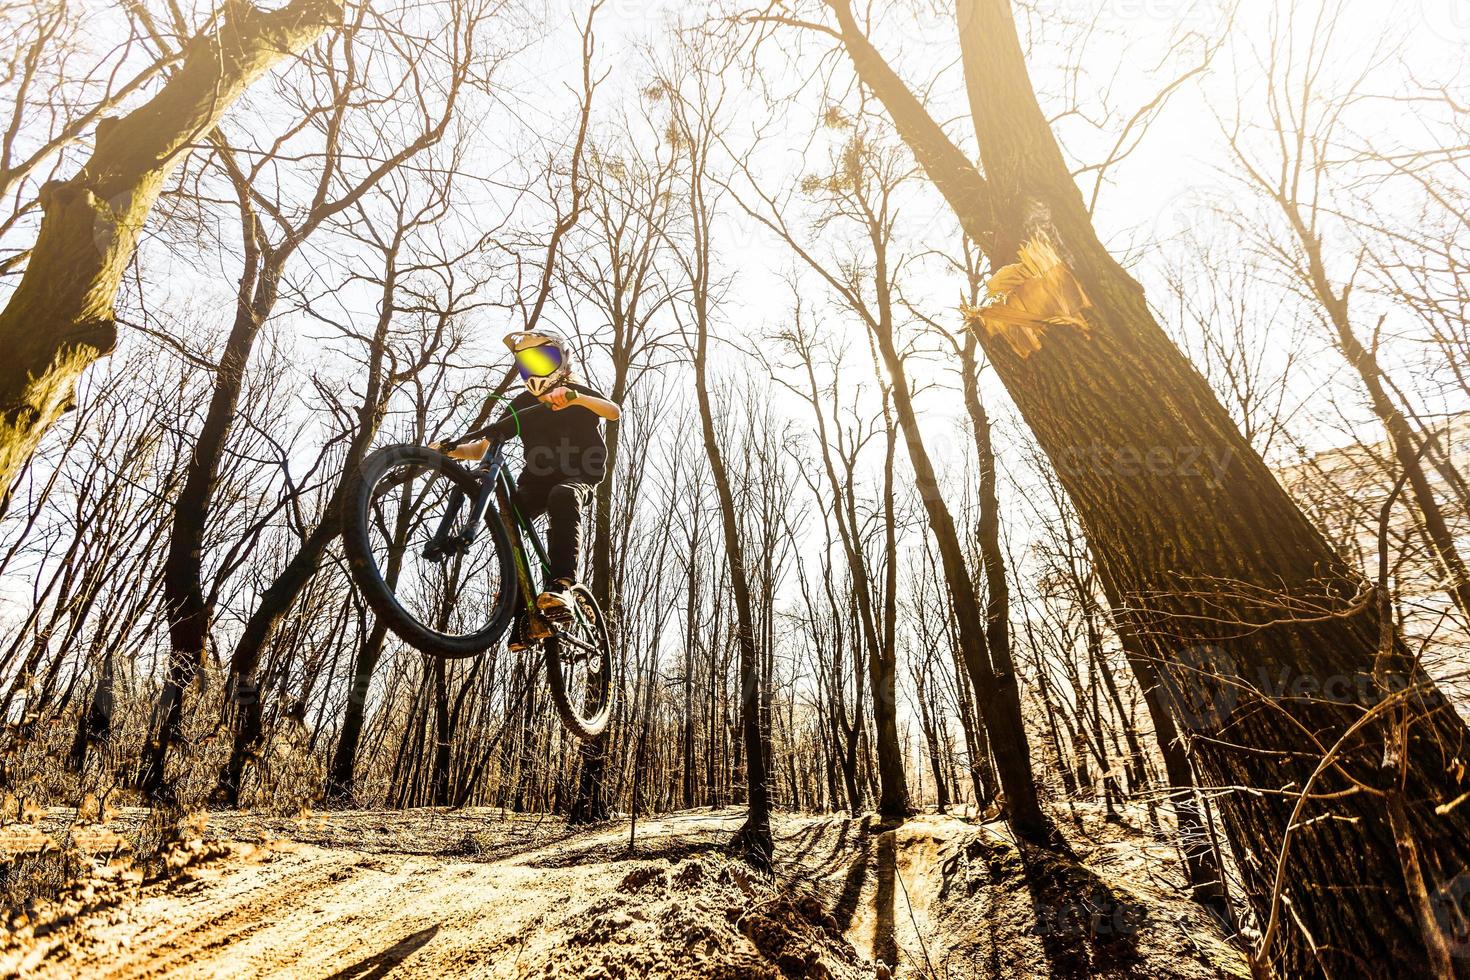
x=499 y=430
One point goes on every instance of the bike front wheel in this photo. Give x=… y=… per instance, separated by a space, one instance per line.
x=447 y=592
x=579 y=668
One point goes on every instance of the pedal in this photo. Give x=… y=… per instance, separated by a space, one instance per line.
x=560 y=616
x=558 y=612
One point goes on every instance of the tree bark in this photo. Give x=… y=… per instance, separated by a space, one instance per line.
x=1214 y=565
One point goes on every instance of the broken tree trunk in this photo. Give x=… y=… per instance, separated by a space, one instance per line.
x=60 y=317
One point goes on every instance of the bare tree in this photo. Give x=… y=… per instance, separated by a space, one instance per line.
x=865 y=177
x=337 y=187
x=629 y=207
x=694 y=93
x=1226 y=564
x=60 y=318
x=1296 y=176
x=876 y=601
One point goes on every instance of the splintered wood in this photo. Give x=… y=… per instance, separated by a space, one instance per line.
x=1028 y=297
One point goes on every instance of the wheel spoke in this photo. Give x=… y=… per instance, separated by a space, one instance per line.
x=452 y=595
x=582 y=683
x=586 y=647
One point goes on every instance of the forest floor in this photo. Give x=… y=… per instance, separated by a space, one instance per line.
x=479 y=893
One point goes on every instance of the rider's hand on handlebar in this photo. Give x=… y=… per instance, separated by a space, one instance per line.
x=469 y=451
x=559 y=398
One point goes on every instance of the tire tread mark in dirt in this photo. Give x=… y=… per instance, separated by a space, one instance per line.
x=182 y=944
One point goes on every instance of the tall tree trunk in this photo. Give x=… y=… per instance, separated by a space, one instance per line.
x=987 y=527
x=94 y=726
x=60 y=318
x=893 y=799
x=992 y=563
x=753 y=841
x=877 y=635
x=590 y=803
x=341 y=776
x=242 y=689
x=439 y=782
x=278 y=597
x=977 y=747
x=185 y=604
x=929 y=721
x=1216 y=568
x=691 y=629
x=997 y=688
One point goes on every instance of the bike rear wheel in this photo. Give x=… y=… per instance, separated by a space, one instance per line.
x=448 y=602
x=579 y=668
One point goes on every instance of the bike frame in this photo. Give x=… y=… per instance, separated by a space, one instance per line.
x=498 y=480
x=495 y=480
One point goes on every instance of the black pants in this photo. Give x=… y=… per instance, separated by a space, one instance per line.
x=561 y=499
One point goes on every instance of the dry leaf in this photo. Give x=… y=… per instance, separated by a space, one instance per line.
x=1028 y=297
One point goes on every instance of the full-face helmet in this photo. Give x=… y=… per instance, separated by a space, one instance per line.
x=543 y=358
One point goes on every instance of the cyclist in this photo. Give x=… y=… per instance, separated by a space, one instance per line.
x=565 y=457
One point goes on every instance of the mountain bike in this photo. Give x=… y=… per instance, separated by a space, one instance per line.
x=439 y=551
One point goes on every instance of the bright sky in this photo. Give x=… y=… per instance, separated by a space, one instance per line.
x=1169 y=188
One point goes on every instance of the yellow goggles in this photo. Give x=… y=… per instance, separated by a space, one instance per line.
x=538 y=362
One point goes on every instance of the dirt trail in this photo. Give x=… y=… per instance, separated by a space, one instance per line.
x=472 y=894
